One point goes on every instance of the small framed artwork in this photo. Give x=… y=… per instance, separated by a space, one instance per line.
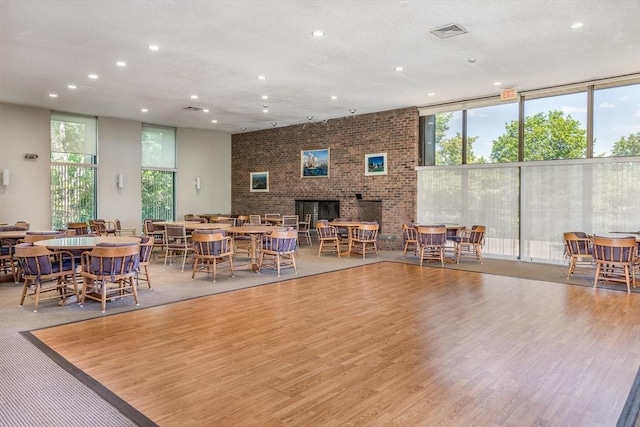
x=260 y=182
x=314 y=163
x=375 y=164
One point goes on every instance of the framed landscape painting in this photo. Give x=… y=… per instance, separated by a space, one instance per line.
x=314 y=163
x=375 y=164
x=260 y=182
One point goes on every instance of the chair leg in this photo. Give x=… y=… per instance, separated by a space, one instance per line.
x=25 y=288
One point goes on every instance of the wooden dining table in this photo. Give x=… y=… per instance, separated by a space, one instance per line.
x=84 y=242
x=254 y=232
x=194 y=225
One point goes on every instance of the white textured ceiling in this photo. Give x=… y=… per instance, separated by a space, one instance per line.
x=216 y=48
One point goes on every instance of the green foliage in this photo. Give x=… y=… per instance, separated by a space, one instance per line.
x=629 y=146
x=449 y=150
x=157 y=194
x=547 y=136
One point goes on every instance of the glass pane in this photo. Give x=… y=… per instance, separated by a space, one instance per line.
x=616 y=121
x=72 y=194
x=482 y=196
x=554 y=128
x=449 y=138
x=157 y=195
x=485 y=126
x=158 y=147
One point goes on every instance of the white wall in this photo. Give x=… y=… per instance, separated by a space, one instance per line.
x=28 y=197
x=207 y=155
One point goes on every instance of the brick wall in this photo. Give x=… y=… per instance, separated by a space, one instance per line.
x=349 y=139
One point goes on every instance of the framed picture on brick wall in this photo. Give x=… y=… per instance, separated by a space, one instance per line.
x=375 y=164
x=314 y=163
x=259 y=182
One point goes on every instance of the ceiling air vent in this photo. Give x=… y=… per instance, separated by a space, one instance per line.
x=448 y=30
x=192 y=108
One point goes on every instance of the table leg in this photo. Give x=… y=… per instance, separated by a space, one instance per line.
x=254 y=250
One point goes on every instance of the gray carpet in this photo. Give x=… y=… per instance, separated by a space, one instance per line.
x=35 y=391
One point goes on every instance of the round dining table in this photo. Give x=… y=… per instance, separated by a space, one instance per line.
x=254 y=232
x=194 y=225
x=84 y=242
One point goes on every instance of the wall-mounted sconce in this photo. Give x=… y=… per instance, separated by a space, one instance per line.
x=120 y=180
x=197 y=182
x=31 y=156
x=5 y=177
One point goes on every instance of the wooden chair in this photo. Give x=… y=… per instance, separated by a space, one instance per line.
x=176 y=244
x=290 y=221
x=278 y=249
x=255 y=219
x=432 y=241
x=210 y=250
x=614 y=258
x=109 y=271
x=123 y=231
x=46 y=272
x=272 y=216
x=410 y=236
x=363 y=239
x=469 y=244
x=304 y=229
x=7 y=259
x=101 y=228
x=81 y=228
x=579 y=250
x=146 y=251
x=156 y=233
x=328 y=237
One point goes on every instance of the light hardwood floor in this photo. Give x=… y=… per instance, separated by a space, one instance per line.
x=381 y=344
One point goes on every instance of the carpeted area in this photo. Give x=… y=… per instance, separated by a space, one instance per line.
x=37 y=391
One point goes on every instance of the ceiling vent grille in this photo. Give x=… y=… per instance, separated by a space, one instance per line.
x=449 y=30
x=192 y=108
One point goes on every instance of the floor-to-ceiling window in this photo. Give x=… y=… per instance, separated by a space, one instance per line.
x=579 y=168
x=158 y=172
x=73 y=168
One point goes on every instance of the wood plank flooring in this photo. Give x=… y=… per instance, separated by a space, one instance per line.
x=378 y=345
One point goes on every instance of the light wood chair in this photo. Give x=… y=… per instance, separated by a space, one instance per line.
x=146 y=252
x=410 y=240
x=614 y=258
x=432 y=241
x=579 y=250
x=210 y=251
x=255 y=219
x=49 y=273
x=304 y=229
x=469 y=244
x=176 y=243
x=328 y=238
x=364 y=239
x=109 y=271
x=278 y=250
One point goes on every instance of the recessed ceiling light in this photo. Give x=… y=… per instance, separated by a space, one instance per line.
x=430 y=94
x=353 y=110
x=144 y=110
x=72 y=86
x=274 y=124
x=194 y=96
x=214 y=121
x=264 y=97
x=399 y=68
x=154 y=47
x=53 y=95
x=93 y=76
x=577 y=25
x=472 y=59
x=243 y=129
x=261 y=77
x=265 y=110
x=121 y=64
x=317 y=33
x=497 y=83
x=205 y=110
x=309 y=117
x=334 y=97
x=265 y=106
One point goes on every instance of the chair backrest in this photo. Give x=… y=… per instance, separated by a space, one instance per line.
x=577 y=243
x=175 y=231
x=280 y=241
x=272 y=215
x=146 y=249
x=432 y=235
x=109 y=259
x=322 y=221
x=255 y=219
x=33 y=260
x=36 y=236
x=366 y=232
x=326 y=231
x=117 y=224
x=212 y=244
x=410 y=233
x=80 y=227
x=290 y=221
x=241 y=219
x=614 y=250
x=477 y=234
x=98 y=226
x=23 y=224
